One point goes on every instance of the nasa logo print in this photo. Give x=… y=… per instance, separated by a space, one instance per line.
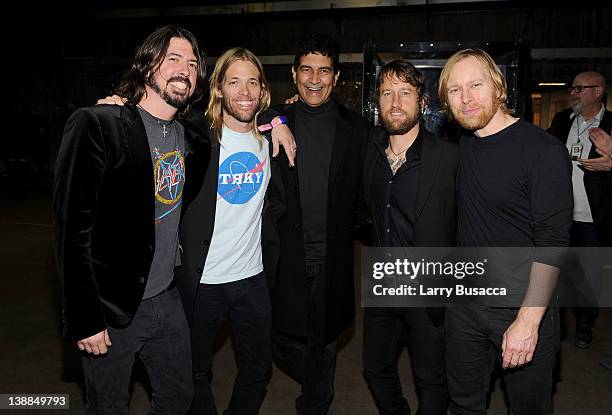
x=240 y=177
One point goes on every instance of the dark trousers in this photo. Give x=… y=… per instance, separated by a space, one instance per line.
x=310 y=361
x=247 y=303
x=382 y=331
x=159 y=335
x=473 y=348
x=584 y=234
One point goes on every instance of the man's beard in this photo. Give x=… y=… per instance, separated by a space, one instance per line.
x=239 y=115
x=576 y=106
x=177 y=102
x=478 y=122
x=401 y=127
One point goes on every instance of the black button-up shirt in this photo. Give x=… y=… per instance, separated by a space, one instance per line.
x=395 y=196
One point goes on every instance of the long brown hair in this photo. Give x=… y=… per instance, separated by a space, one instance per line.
x=214 y=112
x=149 y=56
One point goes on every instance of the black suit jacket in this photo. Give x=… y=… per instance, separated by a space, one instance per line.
x=436 y=207
x=104 y=208
x=283 y=239
x=598 y=184
x=197 y=225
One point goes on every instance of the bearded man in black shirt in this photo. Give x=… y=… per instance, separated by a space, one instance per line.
x=409 y=186
x=507 y=197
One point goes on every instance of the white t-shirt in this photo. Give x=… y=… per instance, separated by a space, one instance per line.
x=244 y=173
x=580 y=132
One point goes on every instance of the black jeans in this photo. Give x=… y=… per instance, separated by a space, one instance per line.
x=247 y=302
x=584 y=234
x=310 y=361
x=159 y=335
x=473 y=347
x=382 y=332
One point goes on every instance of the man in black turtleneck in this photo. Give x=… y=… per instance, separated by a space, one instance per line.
x=315 y=125
x=308 y=231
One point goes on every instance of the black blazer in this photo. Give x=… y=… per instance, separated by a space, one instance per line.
x=104 y=209
x=436 y=208
x=283 y=239
x=598 y=184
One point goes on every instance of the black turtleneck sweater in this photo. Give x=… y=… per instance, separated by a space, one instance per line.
x=314 y=133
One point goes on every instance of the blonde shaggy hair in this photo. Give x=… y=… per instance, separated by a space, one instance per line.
x=214 y=112
x=490 y=68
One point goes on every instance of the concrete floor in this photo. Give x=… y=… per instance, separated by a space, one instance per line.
x=35 y=359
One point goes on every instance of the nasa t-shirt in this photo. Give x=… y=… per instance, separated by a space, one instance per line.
x=244 y=173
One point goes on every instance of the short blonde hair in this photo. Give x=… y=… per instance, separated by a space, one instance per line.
x=491 y=69
x=214 y=112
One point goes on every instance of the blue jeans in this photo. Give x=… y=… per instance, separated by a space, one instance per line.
x=247 y=302
x=159 y=335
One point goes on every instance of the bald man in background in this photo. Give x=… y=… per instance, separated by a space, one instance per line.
x=587 y=122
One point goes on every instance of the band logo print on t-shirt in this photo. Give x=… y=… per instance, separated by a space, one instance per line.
x=240 y=177
x=169 y=176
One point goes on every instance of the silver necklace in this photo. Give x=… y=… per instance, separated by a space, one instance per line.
x=165 y=129
x=397 y=159
x=397 y=154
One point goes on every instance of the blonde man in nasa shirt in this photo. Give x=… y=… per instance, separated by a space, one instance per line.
x=221 y=237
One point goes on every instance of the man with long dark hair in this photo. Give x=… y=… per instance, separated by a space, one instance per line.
x=117 y=199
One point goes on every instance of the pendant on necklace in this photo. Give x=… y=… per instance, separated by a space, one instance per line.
x=395 y=162
x=164 y=130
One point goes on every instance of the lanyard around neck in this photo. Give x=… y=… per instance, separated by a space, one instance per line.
x=586 y=128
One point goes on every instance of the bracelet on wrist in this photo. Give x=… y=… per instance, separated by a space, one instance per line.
x=279 y=119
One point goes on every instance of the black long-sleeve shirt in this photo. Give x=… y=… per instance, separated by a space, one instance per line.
x=515 y=190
